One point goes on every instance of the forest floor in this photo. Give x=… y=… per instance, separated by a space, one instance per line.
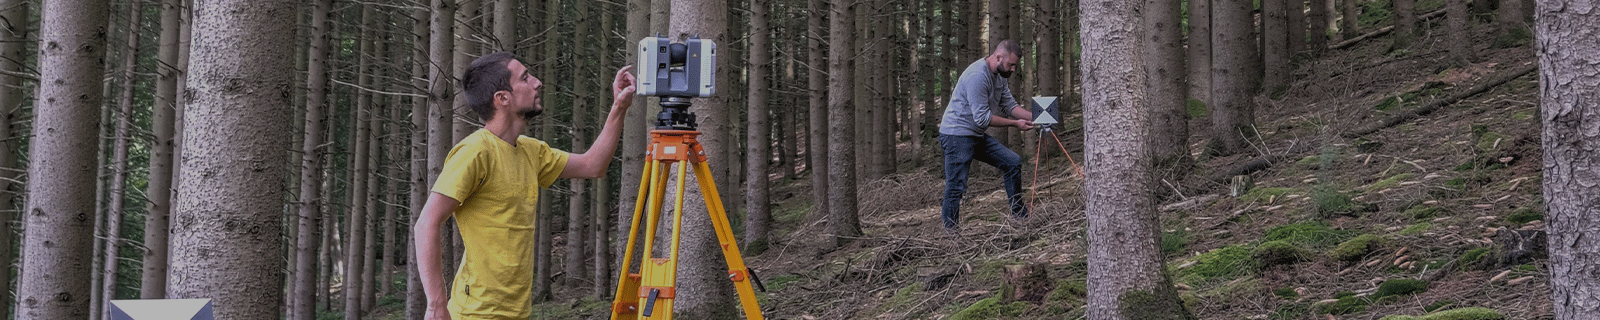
x=1340 y=218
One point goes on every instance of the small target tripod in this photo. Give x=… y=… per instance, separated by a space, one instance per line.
x=673 y=143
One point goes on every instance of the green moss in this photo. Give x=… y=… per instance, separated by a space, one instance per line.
x=1304 y=233
x=779 y=282
x=1345 y=305
x=1389 y=182
x=1423 y=212
x=1515 y=37
x=1416 y=229
x=1148 y=305
x=990 y=308
x=1436 y=305
x=1472 y=313
x=1310 y=161
x=1472 y=257
x=1524 y=215
x=901 y=297
x=1527 y=268
x=1069 y=290
x=1355 y=248
x=1487 y=141
x=1291 y=311
x=1387 y=104
x=1174 y=243
x=1343 y=294
x=1196 y=108
x=1286 y=293
x=1262 y=195
x=1278 y=252
x=1227 y=262
x=1524 y=115
x=1400 y=287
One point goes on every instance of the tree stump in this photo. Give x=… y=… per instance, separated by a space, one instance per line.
x=1026 y=283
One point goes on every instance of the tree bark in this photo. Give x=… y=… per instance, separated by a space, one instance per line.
x=356 y=219
x=817 y=107
x=704 y=289
x=1348 y=18
x=1317 y=31
x=1232 y=111
x=228 y=239
x=57 y=235
x=758 y=216
x=1510 y=16
x=119 y=160
x=12 y=53
x=1296 y=24
x=1459 y=32
x=441 y=95
x=1405 y=23
x=842 y=220
x=635 y=135
x=153 y=281
x=1165 y=71
x=310 y=215
x=1567 y=72
x=369 y=241
x=544 y=242
x=1126 y=273
x=1198 y=46
x=1275 y=40
x=578 y=201
x=416 y=299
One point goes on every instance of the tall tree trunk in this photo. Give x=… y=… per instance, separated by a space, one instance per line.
x=1348 y=18
x=842 y=220
x=158 y=191
x=1405 y=23
x=635 y=133
x=328 y=254
x=12 y=54
x=1296 y=23
x=1460 y=33
x=58 y=234
x=416 y=299
x=1126 y=272
x=310 y=216
x=706 y=292
x=921 y=80
x=228 y=239
x=394 y=144
x=1567 y=72
x=578 y=201
x=544 y=242
x=1317 y=32
x=817 y=108
x=1198 y=45
x=1275 y=40
x=1232 y=111
x=369 y=199
x=883 y=124
x=505 y=38
x=758 y=217
x=600 y=224
x=1165 y=70
x=1510 y=16
x=356 y=220
x=119 y=160
x=441 y=94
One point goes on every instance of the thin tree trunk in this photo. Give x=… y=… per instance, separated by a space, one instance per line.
x=12 y=53
x=310 y=215
x=1348 y=19
x=119 y=160
x=1295 y=19
x=635 y=134
x=228 y=239
x=328 y=254
x=1567 y=73
x=758 y=217
x=1275 y=41
x=1165 y=70
x=578 y=201
x=158 y=191
x=842 y=220
x=441 y=95
x=356 y=219
x=369 y=245
x=416 y=299
x=58 y=234
x=601 y=213
x=544 y=244
x=817 y=108
x=1126 y=271
x=1317 y=32
x=1459 y=32
x=1405 y=23
x=1511 y=16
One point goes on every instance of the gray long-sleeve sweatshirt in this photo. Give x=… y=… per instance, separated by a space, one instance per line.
x=978 y=94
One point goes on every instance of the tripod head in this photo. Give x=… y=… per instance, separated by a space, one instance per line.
x=675 y=114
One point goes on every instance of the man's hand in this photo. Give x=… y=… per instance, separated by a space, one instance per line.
x=1024 y=124
x=436 y=313
x=623 y=89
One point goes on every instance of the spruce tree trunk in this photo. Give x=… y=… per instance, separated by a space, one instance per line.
x=1296 y=24
x=416 y=299
x=1348 y=19
x=578 y=201
x=369 y=239
x=543 y=245
x=228 y=237
x=817 y=108
x=842 y=220
x=1405 y=23
x=58 y=235
x=600 y=224
x=1126 y=271
x=758 y=217
x=119 y=161
x=1275 y=40
x=1567 y=73
x=1232 y=111
x=635 y=135
x=356 y=219
x=883 y=125
x=1165 y=70
x=1317 y=32
x=441 y=96
x=310 y=215
x=1510 y=16
x=158 y=191
x=1198 y=46
x=12 y=53
x=1459 y=32
x=704 y=291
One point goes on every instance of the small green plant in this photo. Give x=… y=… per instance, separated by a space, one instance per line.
x=1227 y=262
x=1400 y=287
x=1174 y=243
x=1524 y=215
x=1416 y=229
x=1437 y=305
x=1286 y=293
x=1346 y=305
x=1355 y=248
x=1471 y=258
x=1196 y=108
x=1308 y=233
x=990 y=308
x=1388 y=182
x=1472 y=313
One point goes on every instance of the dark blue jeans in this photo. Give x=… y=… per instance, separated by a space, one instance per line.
x=959 y=151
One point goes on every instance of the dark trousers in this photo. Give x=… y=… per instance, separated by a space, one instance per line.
x=959 y=151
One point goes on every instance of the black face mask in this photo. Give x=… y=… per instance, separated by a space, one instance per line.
x=1006 y=74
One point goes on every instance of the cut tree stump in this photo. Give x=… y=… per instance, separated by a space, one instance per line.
x=1026 y=283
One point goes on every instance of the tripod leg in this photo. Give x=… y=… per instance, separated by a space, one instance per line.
x=624 y=305
x=737 y=271
x=659 y=277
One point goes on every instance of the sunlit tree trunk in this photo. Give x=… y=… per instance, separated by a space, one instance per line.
x=12 y=54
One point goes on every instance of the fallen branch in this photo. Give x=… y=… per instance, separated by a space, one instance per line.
x=1381 y=31
x=1436 y=104
x=1257 y=164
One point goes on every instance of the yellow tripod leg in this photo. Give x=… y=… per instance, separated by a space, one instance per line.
x=624 y=305
x=737 y=271
x=660 y=276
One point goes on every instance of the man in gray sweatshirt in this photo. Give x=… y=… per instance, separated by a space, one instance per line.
x=982 y=98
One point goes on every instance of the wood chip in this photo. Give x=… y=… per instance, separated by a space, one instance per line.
x=1501 y=276
x=1401 y=251
x=1401 y=259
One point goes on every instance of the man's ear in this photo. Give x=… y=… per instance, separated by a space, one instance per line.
x=502 y=97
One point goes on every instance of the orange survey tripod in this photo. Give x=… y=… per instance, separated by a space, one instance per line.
x=649 y=294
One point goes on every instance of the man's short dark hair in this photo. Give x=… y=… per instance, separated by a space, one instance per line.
x=1010 y=46
x=488 y=74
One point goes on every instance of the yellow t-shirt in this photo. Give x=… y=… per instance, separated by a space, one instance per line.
x=498 y=187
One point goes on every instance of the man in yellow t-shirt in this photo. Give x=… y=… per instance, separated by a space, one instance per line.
x=491 y=183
